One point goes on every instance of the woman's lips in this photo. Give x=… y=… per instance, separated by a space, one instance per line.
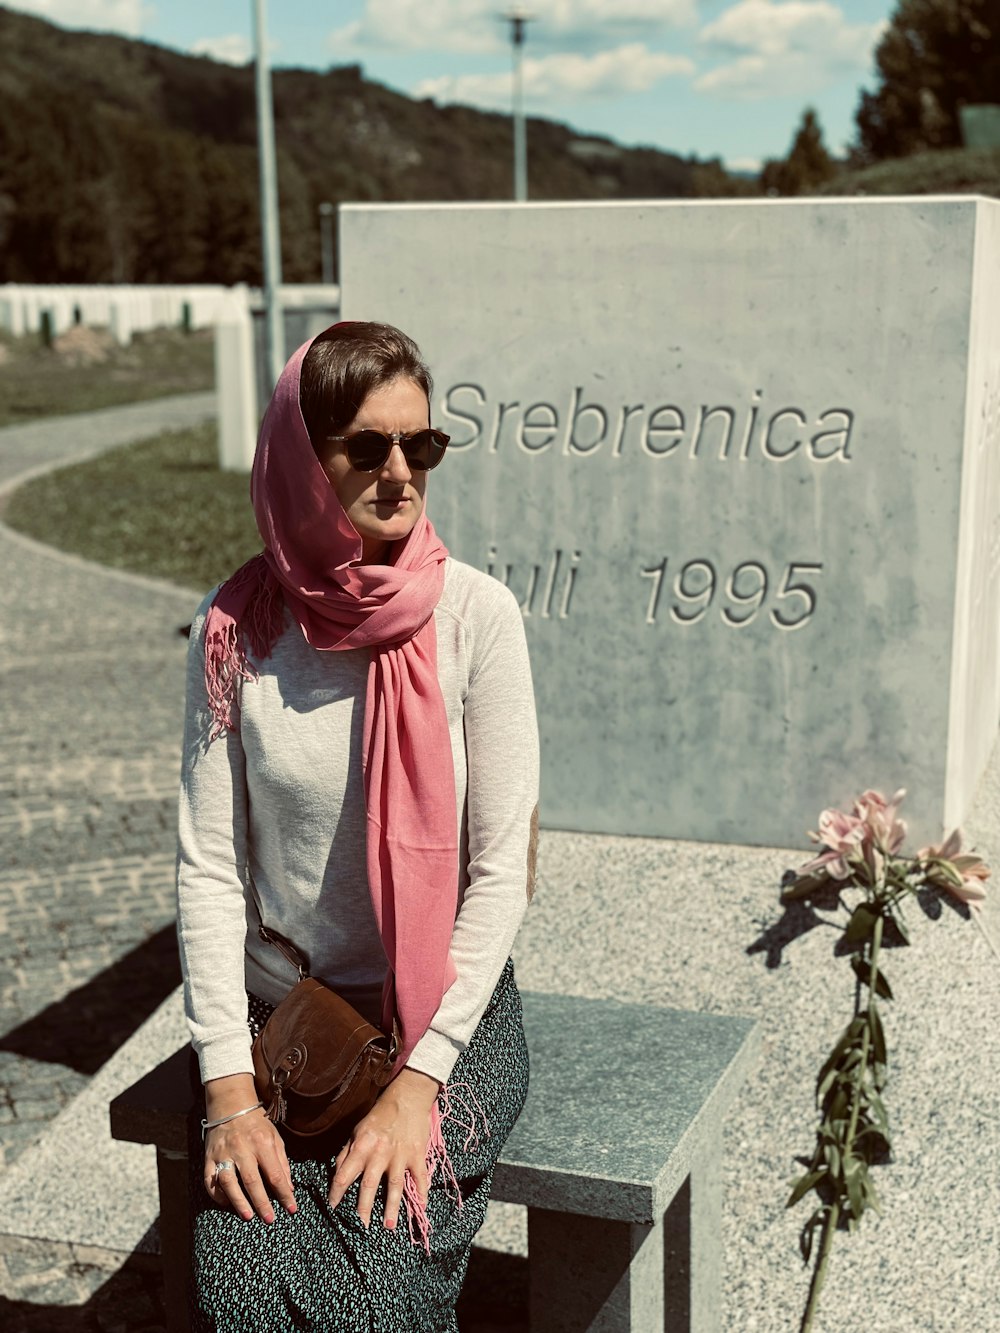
x=396 y=502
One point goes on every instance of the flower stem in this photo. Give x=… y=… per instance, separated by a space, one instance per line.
x=819 y=1272
x=857 y=1084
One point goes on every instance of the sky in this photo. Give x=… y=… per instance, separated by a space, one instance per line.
x=717 y=78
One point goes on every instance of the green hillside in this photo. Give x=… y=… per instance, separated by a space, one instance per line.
x=121 y=161
x=945 y=171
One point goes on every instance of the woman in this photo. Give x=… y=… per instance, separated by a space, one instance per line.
x=360 y=774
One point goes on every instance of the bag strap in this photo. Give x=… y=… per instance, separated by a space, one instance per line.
x=285 y=947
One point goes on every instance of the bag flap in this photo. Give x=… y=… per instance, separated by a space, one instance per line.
x=317 y=1037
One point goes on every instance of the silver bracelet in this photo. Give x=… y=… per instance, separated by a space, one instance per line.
x=206 y=1125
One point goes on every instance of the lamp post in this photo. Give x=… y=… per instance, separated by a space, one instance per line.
x=326 y=242
x=270 y=235
x=519 y=18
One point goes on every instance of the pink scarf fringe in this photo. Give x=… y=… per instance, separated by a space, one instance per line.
x=460 y=1110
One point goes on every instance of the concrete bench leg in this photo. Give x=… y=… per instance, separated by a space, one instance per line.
x=692 y=1230
x=175 y=1237
x=591 y=1275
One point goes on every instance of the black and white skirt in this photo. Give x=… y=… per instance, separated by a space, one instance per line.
x=319 y=1269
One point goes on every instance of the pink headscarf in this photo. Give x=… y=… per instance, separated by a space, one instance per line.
x=311 y=564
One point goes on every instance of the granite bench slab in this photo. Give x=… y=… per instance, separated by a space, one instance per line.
x=616 y=1155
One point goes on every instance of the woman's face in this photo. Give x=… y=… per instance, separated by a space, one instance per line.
x=384 y=505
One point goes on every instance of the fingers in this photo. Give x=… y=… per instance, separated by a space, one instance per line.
x=278 y=1172
x=253 y=1185
x=224 y=1188
x=370 y=1181
x=393 y=1198
x=350 y=1164
x=237 y=1165
x=369 y=1160
x=418 y=1172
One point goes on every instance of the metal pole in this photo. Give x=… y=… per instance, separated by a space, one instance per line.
x=520 y=144
x=326 y=242
x=518 y=19
x=270 y=234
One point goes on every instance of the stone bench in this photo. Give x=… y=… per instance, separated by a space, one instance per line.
x=617 y=1156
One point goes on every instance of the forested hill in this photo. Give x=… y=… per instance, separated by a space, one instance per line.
x=121 y=161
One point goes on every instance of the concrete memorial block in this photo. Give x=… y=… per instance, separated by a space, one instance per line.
x=738 y=461
x=234 y=383
x=12 y=310
x=121 y=320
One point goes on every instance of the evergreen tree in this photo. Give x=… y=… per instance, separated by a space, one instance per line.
x=935 y=55
x=807 y=165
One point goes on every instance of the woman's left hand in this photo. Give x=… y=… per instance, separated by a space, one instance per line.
x=391 y=1140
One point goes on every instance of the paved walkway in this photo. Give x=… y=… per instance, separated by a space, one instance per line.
x=91 y=670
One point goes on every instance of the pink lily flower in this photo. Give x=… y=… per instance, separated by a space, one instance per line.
x=840 y=834
x=961 y=875
x=887 y=832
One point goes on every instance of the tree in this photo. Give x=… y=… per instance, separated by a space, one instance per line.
x=934 y=56
x=807 y=165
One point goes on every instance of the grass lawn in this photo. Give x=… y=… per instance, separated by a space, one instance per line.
x=85 y=370
x=161 y=507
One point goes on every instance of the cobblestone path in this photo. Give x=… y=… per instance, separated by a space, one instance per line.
x=91 y=671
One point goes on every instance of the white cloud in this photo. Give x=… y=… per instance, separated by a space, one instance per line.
x=627 y=69
x=233 y=49
x=475 y=27
x=792 y=47
x=124 y=16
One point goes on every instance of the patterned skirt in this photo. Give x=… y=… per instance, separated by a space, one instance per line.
x=320 y=1270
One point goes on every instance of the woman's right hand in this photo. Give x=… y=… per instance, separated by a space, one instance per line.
x=252 y=1144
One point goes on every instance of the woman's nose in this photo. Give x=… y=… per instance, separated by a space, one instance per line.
x=396 y=467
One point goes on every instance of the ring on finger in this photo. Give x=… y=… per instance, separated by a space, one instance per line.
x=227 y=1165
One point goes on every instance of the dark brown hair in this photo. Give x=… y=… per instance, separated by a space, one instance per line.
x=345 y=364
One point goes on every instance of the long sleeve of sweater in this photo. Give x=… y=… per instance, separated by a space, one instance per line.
x=212 y=820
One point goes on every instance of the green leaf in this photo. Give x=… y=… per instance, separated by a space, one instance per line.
x=862 y=970
x=861 y=926
x=853 y=1171
x=836 y=1106
x=804 y=887
x=806 y=1234
x=850 y=1035
x=803 y=1186
x=878 y=1035
x=832 y=1154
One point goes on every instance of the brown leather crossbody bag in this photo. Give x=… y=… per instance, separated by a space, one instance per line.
x=319 y=1065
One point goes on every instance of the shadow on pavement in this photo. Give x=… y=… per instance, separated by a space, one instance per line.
x=84 y=1029
x=494 y=1298
x=131 y=1301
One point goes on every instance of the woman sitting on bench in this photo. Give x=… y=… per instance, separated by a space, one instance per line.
x=360 y=776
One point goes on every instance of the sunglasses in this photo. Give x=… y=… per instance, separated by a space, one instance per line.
x=369 y=450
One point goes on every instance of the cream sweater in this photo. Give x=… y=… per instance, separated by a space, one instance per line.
x=272 y=820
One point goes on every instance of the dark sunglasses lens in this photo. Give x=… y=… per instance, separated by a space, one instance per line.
x=424 y=449
x=368 y=450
